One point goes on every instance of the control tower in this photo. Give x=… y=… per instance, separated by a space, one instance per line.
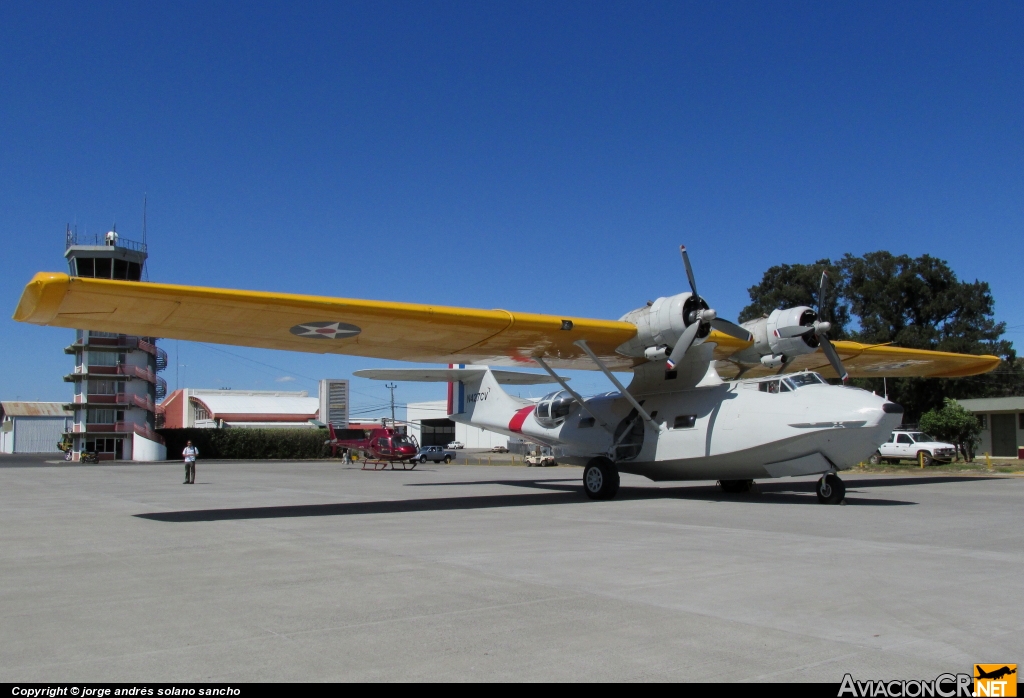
x=115 y=376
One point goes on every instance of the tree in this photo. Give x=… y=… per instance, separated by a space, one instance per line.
x=909 y=302
x=790 y=285
x=919 y=303
x=953 y=423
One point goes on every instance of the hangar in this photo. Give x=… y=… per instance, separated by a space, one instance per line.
x=204 y=408
x=429 y=423
x=1002 y=424
x=200 y=408
x=32 y=427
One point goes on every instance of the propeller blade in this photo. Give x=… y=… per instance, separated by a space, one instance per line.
x=794 y=331
x=679 y=351
x=731 y=329
x=833 y=358
x=689 y=269
x=822 y=289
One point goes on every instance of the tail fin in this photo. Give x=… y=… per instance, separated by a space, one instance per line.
x=456 y=398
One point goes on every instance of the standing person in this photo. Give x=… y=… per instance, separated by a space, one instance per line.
x=190 y=454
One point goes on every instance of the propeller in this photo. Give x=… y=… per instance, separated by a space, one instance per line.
x=821 y=329
x=699 y=319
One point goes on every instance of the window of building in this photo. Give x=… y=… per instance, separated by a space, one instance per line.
x=84 y=267
x=1020 y=420
x=685 y=421
x=983 y=420
x=95 y=416
x=105 y=358
x=101 y=387
x=201 y=412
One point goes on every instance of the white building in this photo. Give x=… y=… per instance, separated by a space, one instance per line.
x=200 y=408
x=33 y=427
x=429 y=423
x=1002 y=424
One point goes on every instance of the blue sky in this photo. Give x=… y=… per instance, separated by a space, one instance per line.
x=545 y=157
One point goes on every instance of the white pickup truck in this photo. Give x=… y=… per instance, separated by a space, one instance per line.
x=911 y=445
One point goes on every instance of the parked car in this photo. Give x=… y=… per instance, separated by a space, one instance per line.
x=912 y=445
x=433 y=453
x=540 y=461
x=456 y=444
x=499 y=449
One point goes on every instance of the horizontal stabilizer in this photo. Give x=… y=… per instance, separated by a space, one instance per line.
x=446 y=375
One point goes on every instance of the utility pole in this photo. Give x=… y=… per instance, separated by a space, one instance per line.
x=391 y=387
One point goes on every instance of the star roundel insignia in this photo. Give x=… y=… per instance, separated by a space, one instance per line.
x=325 y=330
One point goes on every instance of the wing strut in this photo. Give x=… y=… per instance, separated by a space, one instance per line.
x=582 y=344
x=566 y=388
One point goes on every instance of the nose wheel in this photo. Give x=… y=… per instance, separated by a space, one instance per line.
x=830 y=489
x=600 y=479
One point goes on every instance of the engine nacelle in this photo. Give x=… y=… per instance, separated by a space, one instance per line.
x=773 y=361
x=768 y=343
x=660 y=324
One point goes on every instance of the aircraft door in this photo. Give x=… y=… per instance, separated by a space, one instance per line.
x=629 y=436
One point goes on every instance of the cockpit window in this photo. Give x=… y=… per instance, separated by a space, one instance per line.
x=791 y=382
x=402 y=441
x=799 y=380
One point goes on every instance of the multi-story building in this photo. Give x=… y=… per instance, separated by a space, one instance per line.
x=116 y=386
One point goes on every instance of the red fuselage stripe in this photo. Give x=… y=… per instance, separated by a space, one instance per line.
x=519 y=418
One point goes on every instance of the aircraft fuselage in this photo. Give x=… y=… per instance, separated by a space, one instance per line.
x=734 y=430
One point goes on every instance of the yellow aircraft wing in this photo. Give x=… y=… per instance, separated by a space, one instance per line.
x=875 y=361
x=383 y=330
x=405 y=331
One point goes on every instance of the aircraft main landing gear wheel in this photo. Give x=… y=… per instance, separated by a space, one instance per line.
x=601 y=479
x=736 y=486
x=830 y=489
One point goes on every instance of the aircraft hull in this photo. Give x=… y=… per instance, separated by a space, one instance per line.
x=730 y=431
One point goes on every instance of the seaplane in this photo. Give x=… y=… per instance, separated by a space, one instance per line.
x=708 y=400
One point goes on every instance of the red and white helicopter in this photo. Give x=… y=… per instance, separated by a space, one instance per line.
x=709 y=399
x=382 y=446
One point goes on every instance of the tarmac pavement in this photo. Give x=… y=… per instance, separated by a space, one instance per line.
x=319 y=571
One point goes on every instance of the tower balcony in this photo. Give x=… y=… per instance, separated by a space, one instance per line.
x=115 y=429
x=118 y=400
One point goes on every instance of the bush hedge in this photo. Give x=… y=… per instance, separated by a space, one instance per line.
x=248 y=444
